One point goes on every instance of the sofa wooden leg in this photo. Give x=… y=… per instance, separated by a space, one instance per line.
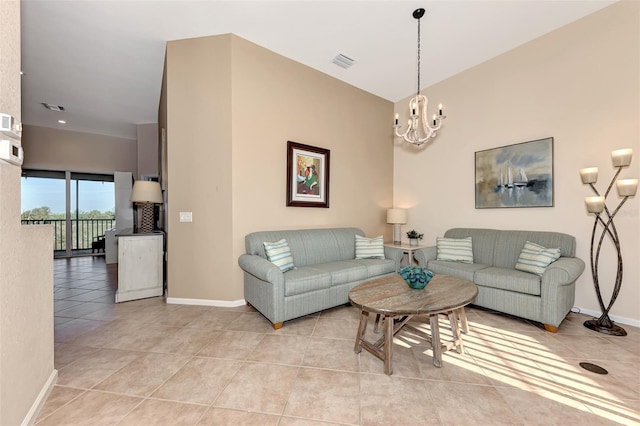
x=551 y=328
x=248 y=304
x=277 y=325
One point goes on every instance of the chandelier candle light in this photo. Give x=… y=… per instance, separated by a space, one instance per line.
x=597 y=205
x=419 y=129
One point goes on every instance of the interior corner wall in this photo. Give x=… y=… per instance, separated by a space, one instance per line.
x=198 y=109
x=231 y=108
x=147 y=149
x=580 y=85
x=47 y=148
x=26 y=265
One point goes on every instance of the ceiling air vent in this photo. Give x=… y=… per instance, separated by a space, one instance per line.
x=53 y=107
x=343 y=61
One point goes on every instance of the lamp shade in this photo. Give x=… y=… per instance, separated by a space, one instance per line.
x=397 y=216
x=621 y=157
x=146 y=191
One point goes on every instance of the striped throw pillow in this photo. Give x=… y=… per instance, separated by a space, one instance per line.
x=279 y=254
x=535 y=258
x=454 y=249
x=369 y=248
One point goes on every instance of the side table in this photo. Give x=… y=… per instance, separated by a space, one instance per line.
x=140 y=268
x=407 y=249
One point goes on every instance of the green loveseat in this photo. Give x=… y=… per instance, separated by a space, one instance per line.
x=501 y=287
x=325 y=270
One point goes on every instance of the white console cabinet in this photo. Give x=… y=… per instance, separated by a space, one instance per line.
x=139 y=266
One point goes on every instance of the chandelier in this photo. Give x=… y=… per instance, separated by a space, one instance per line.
x=420 y=129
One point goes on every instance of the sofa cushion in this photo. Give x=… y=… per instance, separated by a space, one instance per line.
x=305 y=279
x=279 y=254
x=376 y=267
x=455 y=249
x=344 y=271
x=509 y=244
x=484 y=241
x=456 y=269
x=535 y=258
x=309 y=246
x=369 y=248
x=508 y=279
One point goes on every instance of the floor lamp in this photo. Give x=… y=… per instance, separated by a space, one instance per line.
x=626 y=188
x=146 y=193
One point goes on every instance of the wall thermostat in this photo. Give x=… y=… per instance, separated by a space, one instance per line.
x=11 y=152
x=10 y=127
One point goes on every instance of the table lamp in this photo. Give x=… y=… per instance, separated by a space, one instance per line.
x=397 y=217
x=146 y=193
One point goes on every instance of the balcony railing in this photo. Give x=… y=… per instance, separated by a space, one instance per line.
x=83 y=231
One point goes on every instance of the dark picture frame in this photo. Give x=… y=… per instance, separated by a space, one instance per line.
x=307 y=175
x=518 y=175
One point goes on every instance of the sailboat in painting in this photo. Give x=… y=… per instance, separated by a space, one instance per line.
x=521 y=178
x=505 y=180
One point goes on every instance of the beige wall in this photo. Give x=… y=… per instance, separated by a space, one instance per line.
x=231 y=107
x=26 y=264
x=54 y=149
x=580 y=85
x=147 y=149
x=199 y=168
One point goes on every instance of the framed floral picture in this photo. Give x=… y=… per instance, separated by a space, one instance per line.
x=519 y=175
x=307 y=175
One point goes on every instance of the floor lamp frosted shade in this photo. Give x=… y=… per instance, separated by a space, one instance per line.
x=397 y=217
x=146 y=193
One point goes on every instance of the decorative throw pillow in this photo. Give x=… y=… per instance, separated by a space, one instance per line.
x=454 y=249
x=369 y=248
x=535 y=258
x=279 y=254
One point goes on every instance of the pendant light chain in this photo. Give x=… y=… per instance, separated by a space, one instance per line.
x=418 y=92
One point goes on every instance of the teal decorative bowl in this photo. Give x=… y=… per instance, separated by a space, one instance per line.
x=416 y=276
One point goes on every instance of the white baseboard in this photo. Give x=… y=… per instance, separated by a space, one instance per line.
x=206 y=302
x=34 y=411
x=616 y=318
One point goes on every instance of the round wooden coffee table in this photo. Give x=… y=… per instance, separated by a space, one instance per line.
x=392 y=298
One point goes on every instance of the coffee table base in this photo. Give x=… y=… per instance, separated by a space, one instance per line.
x=382 y=348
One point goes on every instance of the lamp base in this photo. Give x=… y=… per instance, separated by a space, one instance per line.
x=397 y=239
x=614 y=330
x=146 y=225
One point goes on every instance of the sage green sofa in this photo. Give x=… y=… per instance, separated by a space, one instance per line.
x=501 y=287
x=325 y=270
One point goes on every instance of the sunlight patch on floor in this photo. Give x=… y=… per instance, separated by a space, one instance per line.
x=523 y=360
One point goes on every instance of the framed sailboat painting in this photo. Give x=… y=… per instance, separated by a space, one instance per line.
x=519 y=175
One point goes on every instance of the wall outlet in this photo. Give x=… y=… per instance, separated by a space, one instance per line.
x=186 y=216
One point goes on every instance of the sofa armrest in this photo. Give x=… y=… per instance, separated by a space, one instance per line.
x=261 y=268
x=563 y=271
x=423 y=255
x=395 y=254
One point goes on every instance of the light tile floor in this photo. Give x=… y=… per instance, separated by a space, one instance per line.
x=149 y=363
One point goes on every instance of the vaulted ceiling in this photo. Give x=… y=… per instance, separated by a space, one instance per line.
x=103 y=60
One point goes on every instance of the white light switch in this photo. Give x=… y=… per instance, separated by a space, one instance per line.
x=186 y=217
